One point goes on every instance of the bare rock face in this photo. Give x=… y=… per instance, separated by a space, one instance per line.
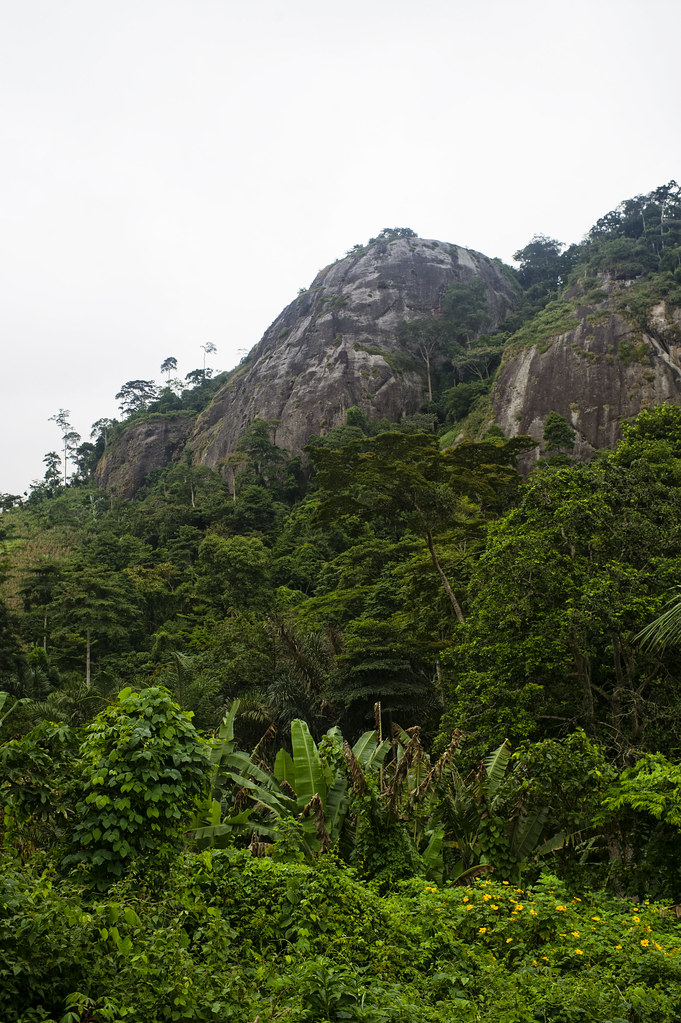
x=335 y=346
x=138 y=450
x=597 y=374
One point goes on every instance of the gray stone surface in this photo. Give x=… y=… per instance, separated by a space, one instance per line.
x=597 y=375
x=138 y=450
x=333 y=347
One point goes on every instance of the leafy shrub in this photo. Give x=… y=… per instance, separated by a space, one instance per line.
x=142 y=768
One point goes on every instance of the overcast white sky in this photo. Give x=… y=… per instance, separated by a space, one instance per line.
x=173 y=171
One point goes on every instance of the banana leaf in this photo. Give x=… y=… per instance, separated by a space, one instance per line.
x=307 y=765
x=284 y=769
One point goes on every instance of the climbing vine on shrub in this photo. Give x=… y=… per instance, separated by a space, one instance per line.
x=143 y=766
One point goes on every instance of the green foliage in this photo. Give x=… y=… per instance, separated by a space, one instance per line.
x=232 y=938
x=37 y=792
x=557 y=432
x=566 y=582
x=142 y=768
x=653 y=785
x=665 y=630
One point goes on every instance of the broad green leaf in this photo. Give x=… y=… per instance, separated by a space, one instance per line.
x=308 y=768
x=365 y=747
x=284 y=769
x=336 y=807
x=495 y=765
x=432 y=855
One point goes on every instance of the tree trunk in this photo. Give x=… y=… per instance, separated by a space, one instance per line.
x=87 y=659
x=445 y=581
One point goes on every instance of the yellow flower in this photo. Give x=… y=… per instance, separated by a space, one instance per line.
x=658 y=947
x=644 y=942
x=533 y=912
x=438 y=909
x=595 y=918
x=487 y=897
x=618 y=946
x=518 y=908
x=465 y=898
x=636 y=919
x=545 y=958
x=483 y=930
x=579 y=952
x=504 y=882
x=575 y=934
x=508 y=939
x=561 y=909
x=576 y=899
x=493 y=906
x=468 y=908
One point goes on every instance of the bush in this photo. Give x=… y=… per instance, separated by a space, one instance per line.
x=142 y=769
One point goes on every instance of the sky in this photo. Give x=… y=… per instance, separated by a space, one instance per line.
x=174 y=171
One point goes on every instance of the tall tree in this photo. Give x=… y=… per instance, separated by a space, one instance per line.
x=135 y=395
x=169 y=366
x=70 y=439
x=208 y=349
x=407 y=479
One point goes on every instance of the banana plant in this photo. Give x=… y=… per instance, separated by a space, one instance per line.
x=209 y=828
x=478 y=827
x=301 y=788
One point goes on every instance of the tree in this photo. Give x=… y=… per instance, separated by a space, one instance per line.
x=426 y=337
x=465 y=307
x=378 y=665
x=665 y=630
x=12 y=656
x=558 y=434
x=8 y=501
x=52 y=477
x=70 y=439
x=407 y=479
x=540 y=263
x=196 y=377
x=135 y=395
x=264 y=457
x=565 y=583
x=101 y=430
x=92 y=608
x=86 y=456
x=208 y=349
x=169 y=366
x=234 y=571
x=654 y=218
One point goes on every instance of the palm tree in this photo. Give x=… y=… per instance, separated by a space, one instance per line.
x=665 y=630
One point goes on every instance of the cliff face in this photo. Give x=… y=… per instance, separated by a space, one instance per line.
x=596 y=374
x=138 y=450
x=335 y=346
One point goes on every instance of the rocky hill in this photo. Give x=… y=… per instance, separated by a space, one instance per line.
x=591 y=334
x=607 y=359
x=337 y=344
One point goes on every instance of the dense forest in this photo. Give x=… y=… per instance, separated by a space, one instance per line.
x=352 y=736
